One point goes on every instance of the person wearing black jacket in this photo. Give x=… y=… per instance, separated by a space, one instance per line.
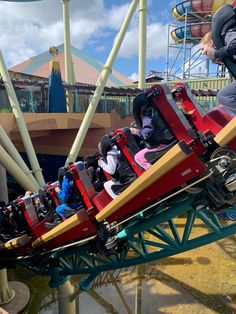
x=145 y=133
x=227 y=95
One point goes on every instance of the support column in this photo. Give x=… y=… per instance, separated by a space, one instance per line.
x=184 y=43
x=3 y=185
x=6 y=293
x=12 y=167
x=37 y=171
x=69 y=71
x=13 y=297
x=101 y=82
x=66 y=302
x=12 y=151
x=142 y=43
x=76 y=100
x=138 y=291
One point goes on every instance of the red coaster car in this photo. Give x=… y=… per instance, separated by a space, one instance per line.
x=198 y=151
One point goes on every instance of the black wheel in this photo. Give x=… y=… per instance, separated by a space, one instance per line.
x=225 y=158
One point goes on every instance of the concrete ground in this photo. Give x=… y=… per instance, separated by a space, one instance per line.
x=201 y=281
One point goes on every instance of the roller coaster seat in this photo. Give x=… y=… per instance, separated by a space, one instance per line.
x=123 y=137
x=73 y=192
x=30 y=212
x=20 y=217
x=217 y=118
x=35 y=214
x=177 y=122
x=101 y=199
x=128 y=147
x=48 y=196
x=165 y=117
x=125 y=143
x=181 y=93
x=6 y=225
x=224 y=20
x=83 y=175
x=162 y=134
x=154 y=156
x=163 y=106
x=83 y=186
x=124 y=172
x=95 y=173
x=214 y=120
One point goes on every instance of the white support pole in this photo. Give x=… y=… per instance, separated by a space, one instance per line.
x=37 y=171
x=6 y=293
x=66 y=303
x=69 y=71
x=11 y=166
x=12 y=151
x=101 y=82
x=138 y=290
x=3 y=185
x=142 y=43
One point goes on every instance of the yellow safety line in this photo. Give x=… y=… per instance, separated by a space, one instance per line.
x=15 y=243
x=227 y=134
x=64 y=226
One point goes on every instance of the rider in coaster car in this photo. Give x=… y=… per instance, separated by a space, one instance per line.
x=145 y=133
x=69 y=206
x=177 y=96
x=110 y=164
x=6 y=232
x=93 y=171
x=227 y=95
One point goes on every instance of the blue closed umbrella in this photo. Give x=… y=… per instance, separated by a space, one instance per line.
x=56 y=93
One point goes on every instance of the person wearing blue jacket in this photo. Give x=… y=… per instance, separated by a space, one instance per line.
x=68 y=207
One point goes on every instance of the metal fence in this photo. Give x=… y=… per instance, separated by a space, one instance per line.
x=34 y=99
x=206 y=84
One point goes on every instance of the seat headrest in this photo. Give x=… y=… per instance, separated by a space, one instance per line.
x=138 y=102
x=223 y=20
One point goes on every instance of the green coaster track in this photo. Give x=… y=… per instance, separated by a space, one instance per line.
x=158 y=232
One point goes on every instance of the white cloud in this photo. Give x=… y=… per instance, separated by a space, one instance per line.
x=165 y=14
x=117 y=15
x=173 y=3
x=133 y=77
x=31 y=28
x=100 y=49
x=156 y=42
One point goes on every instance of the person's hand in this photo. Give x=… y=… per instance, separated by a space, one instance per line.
x=211 y=54
x=218 y=61
x=100 y=162
x=133 y=130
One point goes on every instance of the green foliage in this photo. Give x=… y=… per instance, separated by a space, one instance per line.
x=5 y=110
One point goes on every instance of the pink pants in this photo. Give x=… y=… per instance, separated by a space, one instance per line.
x=140 y=156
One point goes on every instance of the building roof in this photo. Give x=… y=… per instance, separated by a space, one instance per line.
x=153 y=76
x=86 y=68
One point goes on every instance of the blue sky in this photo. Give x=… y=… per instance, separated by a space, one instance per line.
x=31 y=28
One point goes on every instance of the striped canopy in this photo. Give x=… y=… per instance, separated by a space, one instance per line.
x=86 y=68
